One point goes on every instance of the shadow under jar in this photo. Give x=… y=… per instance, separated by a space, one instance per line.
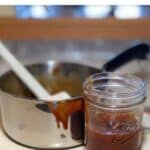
x=113 y=111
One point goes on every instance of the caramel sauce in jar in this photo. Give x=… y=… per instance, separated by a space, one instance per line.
x=113 y=131
x=113 y=111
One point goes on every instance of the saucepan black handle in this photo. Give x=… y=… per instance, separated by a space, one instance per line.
x=139 y=52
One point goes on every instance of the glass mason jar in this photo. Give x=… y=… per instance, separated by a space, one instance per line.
x=113 y=111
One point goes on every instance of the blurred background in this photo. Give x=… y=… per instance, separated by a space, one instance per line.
x=44 y=12
x=85 y=34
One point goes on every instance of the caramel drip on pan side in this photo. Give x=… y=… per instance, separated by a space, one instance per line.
x=64 y=109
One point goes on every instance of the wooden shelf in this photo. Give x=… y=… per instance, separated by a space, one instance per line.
x=69 y=28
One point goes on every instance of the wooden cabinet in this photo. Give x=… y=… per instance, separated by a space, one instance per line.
x=69 y=28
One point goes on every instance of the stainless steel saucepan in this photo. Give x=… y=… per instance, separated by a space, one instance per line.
x=30 y=122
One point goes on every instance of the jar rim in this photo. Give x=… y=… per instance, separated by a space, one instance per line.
x=98 y=86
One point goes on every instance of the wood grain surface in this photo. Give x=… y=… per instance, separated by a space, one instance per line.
x=69 y=28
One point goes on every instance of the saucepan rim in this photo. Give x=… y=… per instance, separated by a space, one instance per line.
x=46 y=64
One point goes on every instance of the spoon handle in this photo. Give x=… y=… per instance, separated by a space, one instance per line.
x=24 y=74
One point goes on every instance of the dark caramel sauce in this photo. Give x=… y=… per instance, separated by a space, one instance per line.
x=97 y=140
x=71 y=84
x=109 y=130
x=64 y=109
